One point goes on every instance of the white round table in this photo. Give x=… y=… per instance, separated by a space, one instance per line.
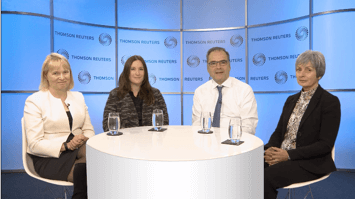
x=177 y=163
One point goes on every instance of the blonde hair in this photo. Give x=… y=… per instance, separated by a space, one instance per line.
x=54 y=59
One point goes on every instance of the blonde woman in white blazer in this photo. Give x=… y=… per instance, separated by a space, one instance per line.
x=58 y=125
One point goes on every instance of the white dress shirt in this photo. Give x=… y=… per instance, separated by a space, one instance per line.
x=237 y=101
x=47 y=124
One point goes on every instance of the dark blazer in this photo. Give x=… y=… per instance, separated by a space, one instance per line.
x=128 y=114
x=316 y=134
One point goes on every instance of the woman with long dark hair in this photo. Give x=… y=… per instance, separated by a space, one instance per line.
x=134 y=99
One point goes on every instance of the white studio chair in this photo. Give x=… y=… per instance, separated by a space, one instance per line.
x=29 y=168
x=291 y=188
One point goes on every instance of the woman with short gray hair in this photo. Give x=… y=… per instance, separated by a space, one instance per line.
x=300 y=148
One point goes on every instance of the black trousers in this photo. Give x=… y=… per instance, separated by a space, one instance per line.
x=283 y=174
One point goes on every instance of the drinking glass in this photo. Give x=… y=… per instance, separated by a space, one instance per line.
x=157 y=119
x=113 y=122
x=206 y=121
x=235 y=129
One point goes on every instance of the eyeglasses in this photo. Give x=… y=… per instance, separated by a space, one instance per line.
x=214 y=63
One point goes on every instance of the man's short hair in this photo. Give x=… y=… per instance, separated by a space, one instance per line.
x=216 y=49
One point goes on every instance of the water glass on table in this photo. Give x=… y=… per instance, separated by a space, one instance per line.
x=113 y=123
x=206 y=122
x=235 y=129
x=157 y=119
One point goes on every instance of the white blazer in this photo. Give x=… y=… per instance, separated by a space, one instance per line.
x=47 y=124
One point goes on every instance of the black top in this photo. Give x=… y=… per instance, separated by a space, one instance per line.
x=70 y=118
x=138 y=102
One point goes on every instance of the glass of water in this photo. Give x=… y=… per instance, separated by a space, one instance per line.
x=235 y=129
x=206 y=121
x=113 y=123
x=157 y=119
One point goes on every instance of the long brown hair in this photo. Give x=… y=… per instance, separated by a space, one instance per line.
x=124 y=84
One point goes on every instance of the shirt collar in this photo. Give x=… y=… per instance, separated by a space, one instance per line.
x=308 y=94
x=227 y=83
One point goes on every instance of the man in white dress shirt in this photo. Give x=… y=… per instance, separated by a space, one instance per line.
x=237 y=97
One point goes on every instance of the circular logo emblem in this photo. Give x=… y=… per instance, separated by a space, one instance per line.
x=64 y=53
x=105 y=39
x=152 y=79
x=193 y=61
x=301 y=33
x=281 y=77
x=259 y=59
x=84 y=77
x=170 y=42
x=236 y=40
x=124 y=59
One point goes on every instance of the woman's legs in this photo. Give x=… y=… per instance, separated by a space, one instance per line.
x=77 y=174
x=80 y=158
x=283 y=174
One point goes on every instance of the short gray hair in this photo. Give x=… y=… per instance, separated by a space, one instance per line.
x=216 y=49
x=316 y=58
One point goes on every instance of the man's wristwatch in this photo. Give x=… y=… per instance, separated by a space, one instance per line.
x=66 y=146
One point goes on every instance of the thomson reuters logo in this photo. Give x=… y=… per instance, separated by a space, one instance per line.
x=124 y=59
x=64 y=53
x=170 y=42
x=84 y=77
x=236 y=40
x=105 y=39
x=152 y=79
x=301 y=33
x=281 y=77
x=259 y=59
x=193 y=61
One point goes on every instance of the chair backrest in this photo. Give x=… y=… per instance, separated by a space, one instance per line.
x=28 y=163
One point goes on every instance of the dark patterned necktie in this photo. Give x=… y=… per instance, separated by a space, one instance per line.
x=217 y=110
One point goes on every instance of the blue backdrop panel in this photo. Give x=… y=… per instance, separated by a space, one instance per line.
x=23 y=50
x=336 y=41
x=272 y=55
x=196 y=45
x=201 y=14
x=160 y=50
x=173 y=104
x=269 y=112
x=328 y=5
x=188 y=103
x=96 y=105
x=260 y=12
x=12 y=105
x=344 y=145
x=88 y=11
x=90 y=52
x=153 y=14
x=34 y=6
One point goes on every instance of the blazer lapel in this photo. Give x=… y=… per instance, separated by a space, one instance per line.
x=291 y=105
x=312 y=104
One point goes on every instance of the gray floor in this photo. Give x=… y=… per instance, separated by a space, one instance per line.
x=340 y=184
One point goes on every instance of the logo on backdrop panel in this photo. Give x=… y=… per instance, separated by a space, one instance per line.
x=259 y=59
x=281 y=77
x=105 y=39
x=64 y=53
x=193 y=61
x=170 y=42
x=124 y=59
x=301 y=33
x=152 y=79
x=84 y=77
x=236 y=40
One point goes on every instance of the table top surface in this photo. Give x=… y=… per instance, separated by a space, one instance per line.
x=177 y=143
